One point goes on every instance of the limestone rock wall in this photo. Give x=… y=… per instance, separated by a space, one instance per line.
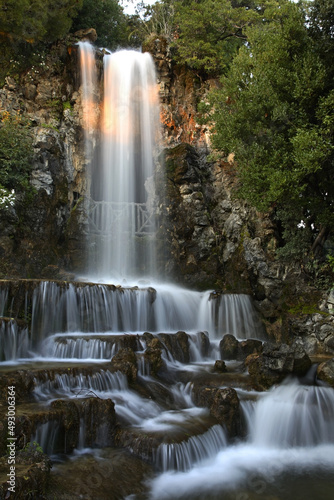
x=36 y=236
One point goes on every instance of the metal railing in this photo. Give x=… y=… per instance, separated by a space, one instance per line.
x=107 y=218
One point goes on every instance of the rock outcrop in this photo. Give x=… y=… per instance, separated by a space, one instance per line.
x=325 y=372
x=275 y=363
x=223 y=404
x=231 y=348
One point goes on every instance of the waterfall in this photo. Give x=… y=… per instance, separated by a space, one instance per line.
x=294 y=415
x=75 y=385
x=48 y=436
x=14 y=341
x=150 y=351
x=182 y=456
x=89 y=90
x=290 y=445
x=81 y=348
x=74 y=310
x=122 y=204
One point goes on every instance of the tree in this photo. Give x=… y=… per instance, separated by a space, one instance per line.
x=321 y=31
x=156 y=19
x=36 y=20
x=107 y=17
x=210 y=31
x=16 y=152
x=25 y=25
x=275 y=112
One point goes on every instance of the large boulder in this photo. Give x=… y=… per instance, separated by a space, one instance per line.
x=231 y=348
x=325 y=372
x=228 y=347
x=125 y=361
x=223 y=404
x=275 y=363
x=177 y=344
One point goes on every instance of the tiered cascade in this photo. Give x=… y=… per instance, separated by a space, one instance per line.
x=82 y=353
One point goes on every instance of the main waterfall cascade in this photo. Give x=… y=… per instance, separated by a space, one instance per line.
x=123 y=202
x=149 y=348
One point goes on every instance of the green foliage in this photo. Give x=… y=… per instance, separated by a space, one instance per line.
x=209 y=32
x=15 y=153
x=274 y=112
x=321 y=272
x=36 y=20
x=321 y=22
x=33 y=448
x=67 y=105
x=27 y=25
x=156 y=19
x=107 y=17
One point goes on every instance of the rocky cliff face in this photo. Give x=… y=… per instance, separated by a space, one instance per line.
x=37 y=236
x=208 y=238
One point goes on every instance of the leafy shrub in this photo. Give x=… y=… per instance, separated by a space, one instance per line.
x=16 y=152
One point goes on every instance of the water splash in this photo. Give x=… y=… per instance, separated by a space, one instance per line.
x=294 y=415
x=182 y=456
x=81 y=308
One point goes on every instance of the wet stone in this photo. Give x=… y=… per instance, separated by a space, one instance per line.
x=177 y=344
x=152 y=356
x=125 y=361
x=223 y=404
x=204 y=343
x=325 y=372
x=275 y=363
x=219 y=366
x=229 y=347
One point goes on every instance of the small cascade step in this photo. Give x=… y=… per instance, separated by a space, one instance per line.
x=89 y=346
x=57 y=427
x=14 y=339
x=182 y=456
x=45 y=381
x=189 y=433
x=56 y=307
x=77 y=383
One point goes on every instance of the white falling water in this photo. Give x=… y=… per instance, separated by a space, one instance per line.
x=89 y=105
x=47 y=435
x=122 y=185
x=290 y=434
x=79 y=307
x=14 y=341
x=294 y=415
x=89 y=92
x=74 y=385
x=182 y=456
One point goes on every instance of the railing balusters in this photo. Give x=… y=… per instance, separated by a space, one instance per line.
x=103 y=215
